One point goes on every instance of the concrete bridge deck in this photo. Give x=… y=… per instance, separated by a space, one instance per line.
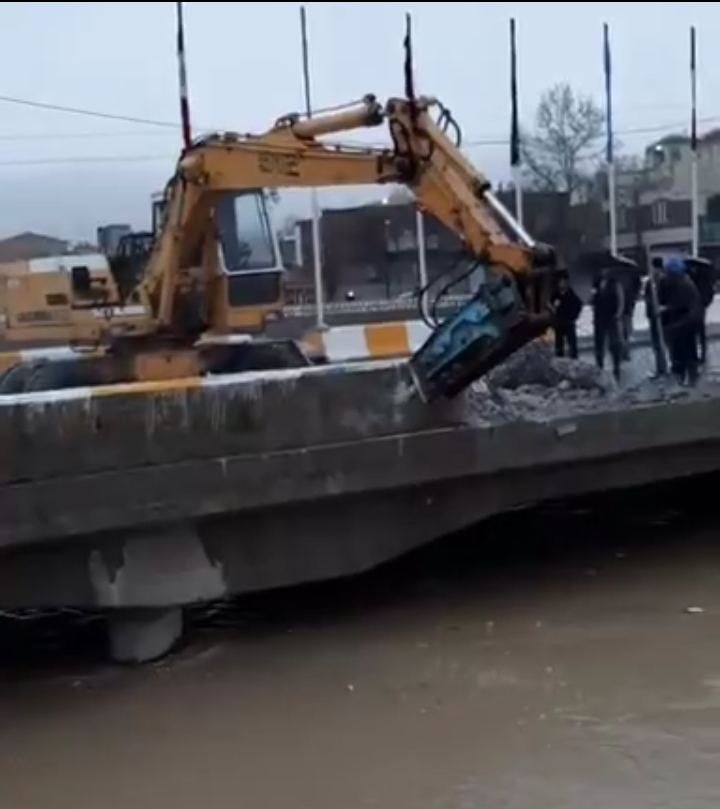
x=136 y=497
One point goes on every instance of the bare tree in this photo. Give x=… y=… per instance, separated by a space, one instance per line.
x=563 y=149
x=631 y=173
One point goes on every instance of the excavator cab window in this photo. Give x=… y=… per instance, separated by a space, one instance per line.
x=127 y=264
x=244 y=233
x=249 y=255
x=80 y=281
x=85 y=288
x=158 y=212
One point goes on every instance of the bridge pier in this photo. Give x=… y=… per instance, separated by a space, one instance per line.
x=143 y=635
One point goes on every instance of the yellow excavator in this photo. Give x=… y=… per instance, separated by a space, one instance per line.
x=214 y=272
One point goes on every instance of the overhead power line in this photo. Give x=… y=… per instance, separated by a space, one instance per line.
x=640 y=130
x=140 y=133
x=172 y=128
x=19 y=137
x=60 y=161
x=170 y=125
x=9 y=137
x=108 y=116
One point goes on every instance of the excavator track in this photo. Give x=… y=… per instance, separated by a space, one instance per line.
x=92 y=370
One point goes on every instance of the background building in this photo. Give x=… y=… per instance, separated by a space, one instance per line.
x=372 y=250
x=25 y=246
x=654 y=199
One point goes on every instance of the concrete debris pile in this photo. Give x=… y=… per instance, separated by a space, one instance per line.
x=534 y=385
x=537 y=366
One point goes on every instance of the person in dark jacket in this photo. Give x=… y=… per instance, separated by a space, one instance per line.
x=567 y=306
x=657 y=339
x=680 y=312
x=702 y=273
x=608 y=305
x=632 y=284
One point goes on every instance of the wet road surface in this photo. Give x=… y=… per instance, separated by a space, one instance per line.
x=547 y=659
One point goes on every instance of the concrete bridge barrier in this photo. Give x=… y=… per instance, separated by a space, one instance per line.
x=83 y=431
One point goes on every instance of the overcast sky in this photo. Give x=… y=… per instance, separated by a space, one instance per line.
x=63 y=174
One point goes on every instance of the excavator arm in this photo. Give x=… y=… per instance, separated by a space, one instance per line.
x=513 y=305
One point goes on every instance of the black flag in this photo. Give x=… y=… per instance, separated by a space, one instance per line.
x=182 y=79
x=514 y=123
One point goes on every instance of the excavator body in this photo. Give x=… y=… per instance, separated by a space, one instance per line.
x=213 y=276
x=37 y=304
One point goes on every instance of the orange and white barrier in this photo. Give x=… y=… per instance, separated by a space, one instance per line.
x=369 y=341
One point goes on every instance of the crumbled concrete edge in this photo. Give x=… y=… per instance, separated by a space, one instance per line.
x=534 y=385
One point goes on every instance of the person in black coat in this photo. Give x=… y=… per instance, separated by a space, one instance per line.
x=680 y=312
x=657 y=340
x=702 y=273
x=608 y=305
x=632 y=285
x=567 y=306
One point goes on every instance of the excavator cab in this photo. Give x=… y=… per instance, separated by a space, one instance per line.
x=228 y=249
x=127 y=263
x=250 y=263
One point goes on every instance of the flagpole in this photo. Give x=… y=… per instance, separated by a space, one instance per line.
x=314 y=200
x=422 y=248
x=515 y=159
x=182 y=79
x=612 y=197
x=419 y=215
x=694 y=191
x=609 y=148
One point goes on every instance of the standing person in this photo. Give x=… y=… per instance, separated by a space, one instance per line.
x=653 y=318
x=567 y=306
x=680 y=313
x=631 y=292
x=702 y=273
x=608 y=306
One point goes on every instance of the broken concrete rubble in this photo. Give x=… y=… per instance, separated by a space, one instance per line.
x=534 y=385
x=537 y=365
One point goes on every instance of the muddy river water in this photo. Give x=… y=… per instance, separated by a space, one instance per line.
x=561 y=658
